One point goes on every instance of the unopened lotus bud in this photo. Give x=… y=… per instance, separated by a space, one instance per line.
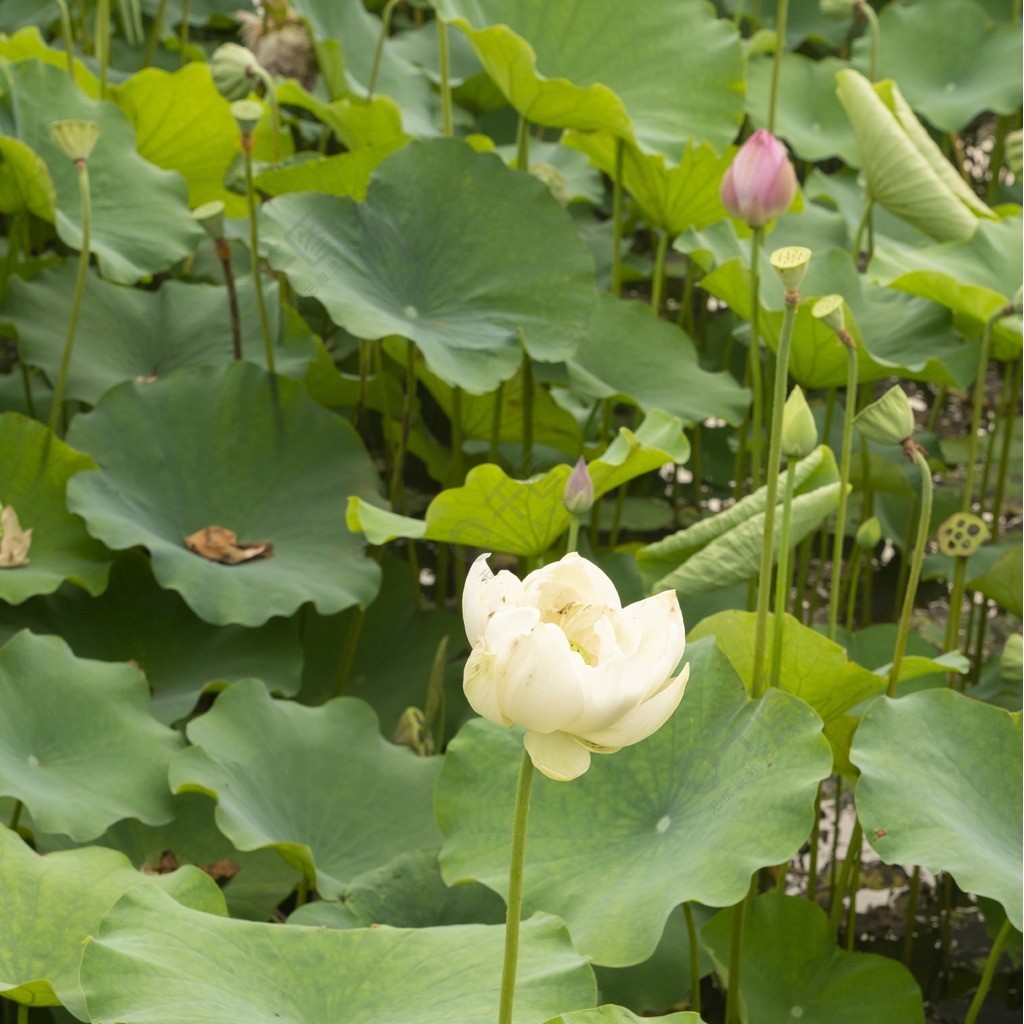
x=799 y=433
x=760 y=182
x=234 y=70
x=791 y=263
x=869 y=533
x=890 y=420
x=578 y=496
x=75 y=138
x=211 y=216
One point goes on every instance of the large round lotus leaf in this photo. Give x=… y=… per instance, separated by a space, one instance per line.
x=141 y=222
x=662 y=370
x=37 y=468
x=319 y=784
x=974 y=279
x=131 y=334
x=791 y=969
x=29 y=44
x=24 y=181
x=78 y=745
x=183 y=124
x=809 y=115
x=724 y=788
x=52 y=903
x=233 y=447
x=657 y=74
x=180 y=655
x=452 y=250
x=963 y=64
x=940 y=786
x=155 y=961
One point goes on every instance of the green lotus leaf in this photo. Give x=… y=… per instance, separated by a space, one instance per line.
x=661 y=370
x=792 y=969
x=53 y=903
x=130 y=334
x=357 y=122
x=25 y=182
x=663 y=74
x=523 y=517
x=940 y=786
x=347 y=174
x=251 y=973
x=904 y=168
x=28 y=44
x=726 y=548
x=78 y=745
x=37 y=468
x=619 y=1015
x=809 y=116
x=724 y=787
x=975 y=279
x=453 y=269
x=320 y=785
x=673 y=198
x=183 y=124
x=963 y=64
x=280 y=480
x=141 y=223
x=1002 y=582
x=180 y=655
x=893 y=336
x=575 y=173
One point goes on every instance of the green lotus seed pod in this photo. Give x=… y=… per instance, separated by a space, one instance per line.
x=75 y=138
x=962 y=534
x=247 y=114
x=234 y=71
x=211 y=216
x=890 y=420
x=829 y=310
x=799 y=433
x=869 y=533
x=791 y=263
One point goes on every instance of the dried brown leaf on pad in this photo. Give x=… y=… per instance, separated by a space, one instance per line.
x=218 y=544
x=14 y=541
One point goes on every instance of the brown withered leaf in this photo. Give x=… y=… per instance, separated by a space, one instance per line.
x=14 y=541
x=167 y=863
x=222 y=869
x=218 y=544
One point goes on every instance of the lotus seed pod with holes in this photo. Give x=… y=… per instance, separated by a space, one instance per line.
x=869 y=533
x=791 y=263
x=75 y=138
x=962 y=534
x=578 y=496
x=247 y=114
x=890 y=420
x=829 y=310
x=211 y=216
x=799 y=433
x=233 y=69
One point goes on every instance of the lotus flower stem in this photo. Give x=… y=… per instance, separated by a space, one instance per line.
x=908 y=928
x=844 y=480
x=781 y=16
x=732 y=995
x=16 y=815
x=223 y=249
x=756 y=383
x=837 y=806
x=851 y=597
x=22 y=1013
x=867 y=12
x=102 y=44
x=527 y=457
x=183 y=30
x=76 y=302
x=396 y=490
x=617 y=190
x=864 y=224
x=658 y=280
x=977 y=401
x=782 y=573
x=254 y=252
x=154 y=34
x=691 y=931
x=843 y=883
x=813 y=843
x=515 y=889
x=69 y=36
x=348 y=655
x=378 y=53
x=445 y=61
x=923 y=522
x=1013 y=374
x=495 y=440
x=986 y=976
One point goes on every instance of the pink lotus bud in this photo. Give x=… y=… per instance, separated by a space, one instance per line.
x=578 y=496
x=760 y=183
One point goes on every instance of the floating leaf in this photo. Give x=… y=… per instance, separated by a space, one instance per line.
x=668 y=73
x=37 y=468
x=320 y=785
x=792 y=969
x=724 y=787
x=53 y=903
x=453 y=270
x=1002 y=582
x=940 y=786
x=217 y=544
x=281 y=479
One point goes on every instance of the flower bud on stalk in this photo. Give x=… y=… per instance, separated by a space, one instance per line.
x=760 y=182
x=869 y=533
x=799 y=433
x=578 y=496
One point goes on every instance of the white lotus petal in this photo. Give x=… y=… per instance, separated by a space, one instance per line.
x=484 y=594
x=571 y=580
x=610 y=690
x=539 y=679
x=644 y=719
x=481 y=686
x=557 y=755
x=662 y=634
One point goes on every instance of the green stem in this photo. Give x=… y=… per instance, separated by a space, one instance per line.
x=658 y=282
x=223 y=247
x=844 y=480
x=978 y=400
x=270 y=88
x=781 y=16
x=457 y=439
x=254 y=253
x=302 y=892
x=986 y=977
x=378 y=53
x=732 y=996
x=995 y=160
x=832 y=870
x=908 y=928
x=16 y=815
x=22 y=1013
x=617 y=227
x=1013 y=371
x=936 y=409
x=102 y=32
x=782 y=573
x=76 y=302
x=445 y=62
x=523 y=145
x=851 y=601
x=515 y=890
x=868 y=13
x=956 y=606
x=771 y=488
x=68 y=36
x=852 y=856
x=396 y=490
x=923 y=523
x=495 y=440
x=851 y=910
x=527 y=458
x=154 y=34
x=572 y=541
x=756 y=384
x=862 y=226
x=812 y=866
x=348 y=655
x=691 y=931
x=183 y=30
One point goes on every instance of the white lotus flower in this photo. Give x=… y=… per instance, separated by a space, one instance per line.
x=558 y=654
